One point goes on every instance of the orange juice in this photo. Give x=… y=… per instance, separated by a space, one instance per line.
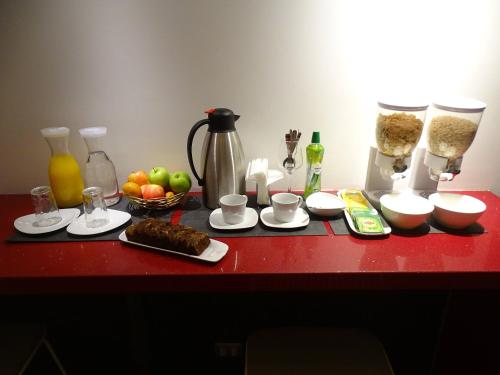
x=65 y=180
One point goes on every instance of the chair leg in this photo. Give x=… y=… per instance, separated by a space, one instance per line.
x=48 y=345
x=54 y=356
x=30 y=357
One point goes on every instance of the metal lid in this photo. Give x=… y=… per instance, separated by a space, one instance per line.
x=460 y=104
x=55 y=132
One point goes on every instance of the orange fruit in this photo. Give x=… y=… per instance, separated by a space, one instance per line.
x=139 y=177
x=133 y=189
x=169 y=194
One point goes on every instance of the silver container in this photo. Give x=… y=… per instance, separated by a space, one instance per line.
x=222 y=158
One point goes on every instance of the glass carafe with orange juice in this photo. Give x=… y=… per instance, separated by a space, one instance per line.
x=64 y=171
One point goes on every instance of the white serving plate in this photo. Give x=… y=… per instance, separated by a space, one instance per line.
x=387 y=228
x=24 y=224
x=217 y=221
x=301 y=219
x=213 y=253
x=116 y=218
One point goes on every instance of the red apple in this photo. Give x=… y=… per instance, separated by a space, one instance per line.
x=150 y=191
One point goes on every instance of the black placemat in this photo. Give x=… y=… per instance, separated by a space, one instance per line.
x=62 y=235
x=340 y=226
x=195 y=215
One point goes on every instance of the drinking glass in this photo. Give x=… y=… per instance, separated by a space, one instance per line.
x=94 y=207
x=289 y=159
x=46 y=211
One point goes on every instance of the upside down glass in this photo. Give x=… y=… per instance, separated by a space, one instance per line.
x=94 y=207
x=46 y=211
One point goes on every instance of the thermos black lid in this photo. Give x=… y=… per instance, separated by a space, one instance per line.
x=221 y=120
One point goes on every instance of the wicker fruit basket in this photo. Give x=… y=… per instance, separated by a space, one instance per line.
x=157 y=203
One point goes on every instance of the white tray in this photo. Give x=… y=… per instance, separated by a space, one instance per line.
x=213 y=253
x=387 y=228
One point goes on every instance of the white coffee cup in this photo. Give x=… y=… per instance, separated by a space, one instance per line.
x=285 y=206
x=233 y=208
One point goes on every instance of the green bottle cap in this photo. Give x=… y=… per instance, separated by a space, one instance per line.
x=315 y=137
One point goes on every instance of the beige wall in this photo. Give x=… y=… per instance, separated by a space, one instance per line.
x=148 y=69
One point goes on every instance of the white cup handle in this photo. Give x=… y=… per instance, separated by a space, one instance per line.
x=301 y=200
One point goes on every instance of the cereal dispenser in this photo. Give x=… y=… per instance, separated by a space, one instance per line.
x=398 y=129
x=452 y=127
x=451 y=131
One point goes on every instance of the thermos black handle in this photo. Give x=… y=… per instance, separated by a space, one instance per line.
x=196 y=126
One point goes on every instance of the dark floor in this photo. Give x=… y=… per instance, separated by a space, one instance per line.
x=193 y=333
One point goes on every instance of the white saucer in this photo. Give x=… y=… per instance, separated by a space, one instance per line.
x=116 y=218
x=301 y=219
x=213 y=253
x=25 y=223
x=250 y=220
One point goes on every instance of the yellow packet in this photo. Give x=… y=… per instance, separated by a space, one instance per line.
x=354 y=199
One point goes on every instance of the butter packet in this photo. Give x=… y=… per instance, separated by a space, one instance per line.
x=367 y=220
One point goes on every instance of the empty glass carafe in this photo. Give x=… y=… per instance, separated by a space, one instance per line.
x=99 y=170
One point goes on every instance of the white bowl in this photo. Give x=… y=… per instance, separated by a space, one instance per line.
x=456 y=211
x=405 y=210
x=325 y=204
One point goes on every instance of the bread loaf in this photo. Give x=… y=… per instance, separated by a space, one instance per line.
x=162 y=234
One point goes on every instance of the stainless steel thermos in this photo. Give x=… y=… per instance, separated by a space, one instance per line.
x=222 y=158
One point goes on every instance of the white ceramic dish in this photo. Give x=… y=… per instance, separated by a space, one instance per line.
x=405 y=210
x=25 y=223
x=456 y=211
x=250 y=220
x=325 y=204
x=116 y=218
x=213 y=253
x=301 y=219
x=387 y=228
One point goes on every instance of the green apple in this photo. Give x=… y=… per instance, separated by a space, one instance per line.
x=159 y=176
x=180 y=182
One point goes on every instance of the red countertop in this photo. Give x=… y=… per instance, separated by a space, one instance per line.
x=292 y=263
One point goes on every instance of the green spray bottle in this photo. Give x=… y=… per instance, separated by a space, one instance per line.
x=314 y=154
